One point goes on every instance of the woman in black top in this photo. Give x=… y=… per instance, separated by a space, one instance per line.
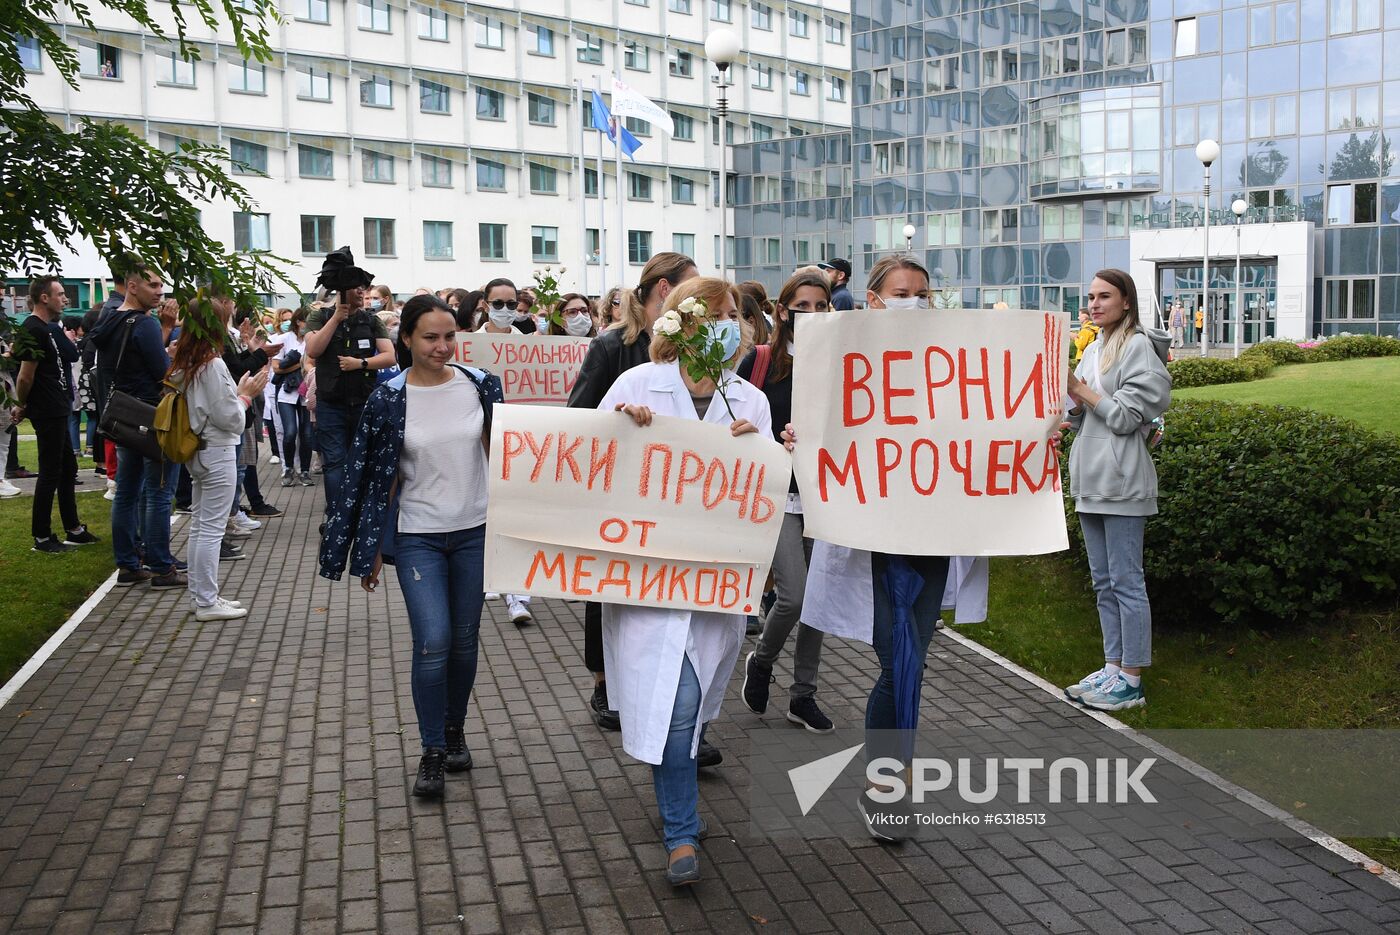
x=802 y=294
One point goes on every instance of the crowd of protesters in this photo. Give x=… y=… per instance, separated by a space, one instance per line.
x=364 y=391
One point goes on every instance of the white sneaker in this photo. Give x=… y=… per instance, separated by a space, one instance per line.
x=219 y=610
x=519 y=613
x=244 y=521
x=274 y=460
x=111 y=493
x=8 y=489
x=232 y=531
x=492 y=596
x=217 y=601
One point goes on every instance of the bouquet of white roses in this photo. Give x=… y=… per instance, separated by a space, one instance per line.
x=700 y=352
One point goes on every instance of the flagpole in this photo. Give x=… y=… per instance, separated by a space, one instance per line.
x=621 y=194
x=603 y=250
x=582 y=191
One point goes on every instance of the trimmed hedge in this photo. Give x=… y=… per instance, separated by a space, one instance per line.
x=1259 y=361
x=1269 y=515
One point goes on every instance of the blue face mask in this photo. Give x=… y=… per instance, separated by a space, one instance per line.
x=286 y=326
x=726 y=333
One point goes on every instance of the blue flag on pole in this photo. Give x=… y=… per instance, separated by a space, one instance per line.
x=602 y=122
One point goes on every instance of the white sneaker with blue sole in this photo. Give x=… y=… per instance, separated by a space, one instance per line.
x=1114 y=695
x=1087 y=684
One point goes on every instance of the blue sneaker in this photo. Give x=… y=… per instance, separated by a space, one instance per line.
x=1087 y=684
x=1113 y=695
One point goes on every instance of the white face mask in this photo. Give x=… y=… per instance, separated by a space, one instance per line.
x=503 y=318
x=906 y=303
x=578 y=325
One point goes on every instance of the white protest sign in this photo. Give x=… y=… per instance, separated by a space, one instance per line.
x=540 y=369
x=926 y=432
x=586 y=504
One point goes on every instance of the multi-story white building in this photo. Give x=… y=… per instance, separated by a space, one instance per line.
x=440 y=140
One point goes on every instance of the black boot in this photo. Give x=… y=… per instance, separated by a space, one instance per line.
x=458 y=757
x=430 y=779
x=606 y=717
x=707 y=755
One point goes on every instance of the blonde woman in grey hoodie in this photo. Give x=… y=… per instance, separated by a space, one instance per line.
x=216 y=408
x=1119 y=388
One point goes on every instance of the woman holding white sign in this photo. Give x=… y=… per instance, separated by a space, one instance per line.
x=668 y=668
x=415 y=498
x=1120 y=386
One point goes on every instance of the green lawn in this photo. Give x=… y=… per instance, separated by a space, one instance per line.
x=41 y=591
x=1365 y=390
x=29 y=454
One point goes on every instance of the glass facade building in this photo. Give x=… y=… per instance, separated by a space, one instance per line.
x=1031 y=144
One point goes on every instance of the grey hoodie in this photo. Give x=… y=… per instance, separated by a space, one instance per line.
x=216 y=412
x=1110 y=467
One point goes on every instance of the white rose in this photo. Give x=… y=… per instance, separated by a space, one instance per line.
x=667 y=325
x=690 y=306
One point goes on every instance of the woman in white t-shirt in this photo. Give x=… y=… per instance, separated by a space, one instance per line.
x=288 y=374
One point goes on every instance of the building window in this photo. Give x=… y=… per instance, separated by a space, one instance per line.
x=437 y=172
x=247 y=78
x=590 y=50
x=437 y=240
x=1353 y=16
x=638 y=2
x=313 y=84
x=1353 y=108
x=1001 y=225
x=1349 y=300
x=637 y=126
x=943 y=152
x=798 y=23
x=1127 y=46
x=541 y=110
x=1000 y=66
x=376 y=167
x=721 y=10
x=682 y=190
x=544 y=244
x=314 y=162
x=679 y=6
x=766 y=189
x=544 y=41
x=432 y=24
x=96 y=60
x=490 y=176
x=377 y=92
x=314 y=11
x=171 y=69
x=1062 y=222
x=761 y=76
x=247 y=158
x=434 y=98
x=683 y=244
x=1186 y=37
x=544 y=180
x=944 y=229
x=379 y=237
x=683 y=125
x=590 y=183
x=835 y=88
x=251 y=232
x=1001 y=146
x=374 y=15
x=638 y=247
x=492 y=239
x=30 y=58
x=593 y=245
x=638 y=186
x=1059 y=57
x=682 y=64
x=317 y=234
x=490 y=105
x=490 y=33
x=835 y=30
x=799 y=83
x=1353 y=203
x=889 y=158
x=636 y=56
x=760 y=132
x=761 y=16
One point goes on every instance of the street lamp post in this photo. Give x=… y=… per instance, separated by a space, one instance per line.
x=722 y=48
x=1239 y=207
x=909 y=232
x=1207 y=151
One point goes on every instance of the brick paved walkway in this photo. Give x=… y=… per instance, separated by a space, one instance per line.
x=164 y=776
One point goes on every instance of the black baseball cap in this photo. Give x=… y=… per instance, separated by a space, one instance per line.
x=838 y=264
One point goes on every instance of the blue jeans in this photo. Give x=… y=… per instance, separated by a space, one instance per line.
x=1114 y=544
x=335 y=430
x=141 y=510
x=296 y=436
x=677 y=791
x=440 y=575
x=928 y=607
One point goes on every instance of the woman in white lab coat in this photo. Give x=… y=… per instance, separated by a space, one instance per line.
x=667 y=669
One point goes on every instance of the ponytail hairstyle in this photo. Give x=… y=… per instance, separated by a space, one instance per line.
x=1113 y=341
x=409 y=315
x=668 y=266
x=808 y=277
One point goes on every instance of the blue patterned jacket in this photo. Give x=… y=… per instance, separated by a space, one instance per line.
x=364 y=517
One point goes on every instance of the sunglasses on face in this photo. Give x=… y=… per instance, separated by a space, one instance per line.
x=616 y=302
x=499 y=304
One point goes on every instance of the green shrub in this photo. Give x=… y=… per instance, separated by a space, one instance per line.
x=1270 y=514
x=1349 y=346
x=1257 y=367
x=1206 y=371
x=1280 y=352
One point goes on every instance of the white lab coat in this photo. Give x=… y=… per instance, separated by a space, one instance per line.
x=643 y=647
x=840 y=596
x=966 y=591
